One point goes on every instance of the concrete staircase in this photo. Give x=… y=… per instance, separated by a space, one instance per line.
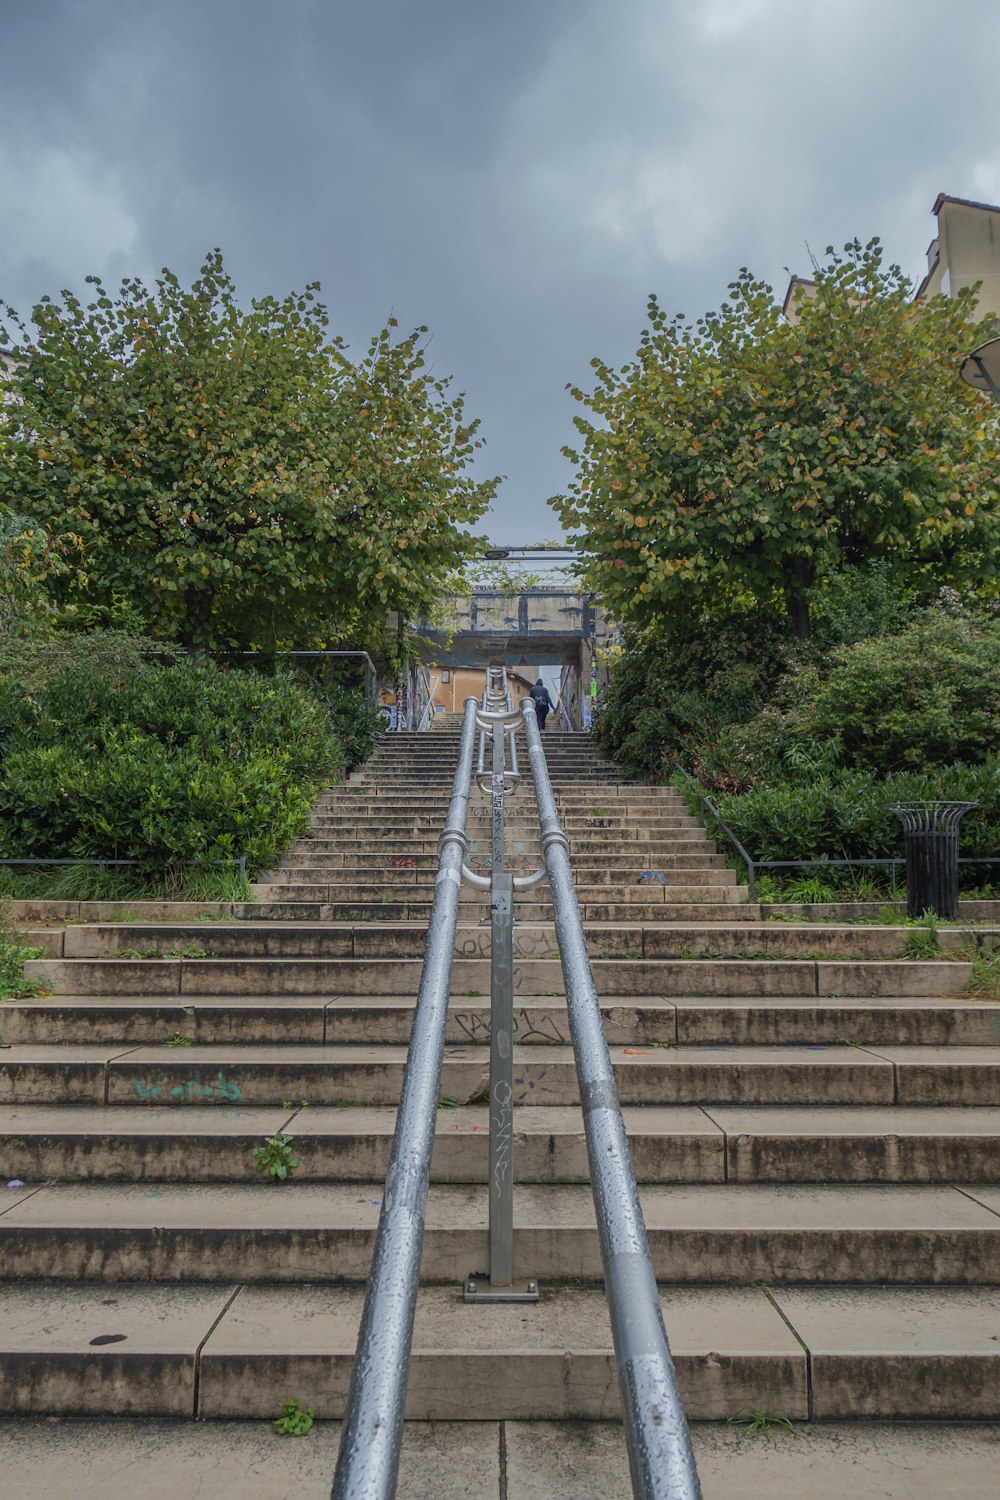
x=814 y=1119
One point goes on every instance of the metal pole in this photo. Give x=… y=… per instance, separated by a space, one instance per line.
x=501 y=1034
x=499 y=1285
x=368 y=1461
x=656 y=1431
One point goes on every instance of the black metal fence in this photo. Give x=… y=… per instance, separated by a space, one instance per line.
x=821 y=862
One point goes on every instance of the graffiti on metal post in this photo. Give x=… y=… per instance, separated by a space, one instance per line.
x=503 y=1127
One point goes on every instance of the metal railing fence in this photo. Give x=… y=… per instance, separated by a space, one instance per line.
x=368 y=1461
x=818 y=862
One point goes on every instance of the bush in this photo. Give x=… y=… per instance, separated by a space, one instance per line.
x=106 y=754
x=926 y=697
x=843 y=815
x=667 y=697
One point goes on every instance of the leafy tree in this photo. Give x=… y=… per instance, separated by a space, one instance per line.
x=231 y=477
x=749 y=456
x=26 y=560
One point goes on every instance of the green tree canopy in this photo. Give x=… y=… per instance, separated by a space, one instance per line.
x=746 y=456
x=231 y=477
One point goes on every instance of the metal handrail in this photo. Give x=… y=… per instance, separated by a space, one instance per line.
x=497 y=699
x=368 y=1460
x=656 y=1432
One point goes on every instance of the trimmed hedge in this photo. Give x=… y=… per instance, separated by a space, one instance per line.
x=106 y=754
x=843 y=815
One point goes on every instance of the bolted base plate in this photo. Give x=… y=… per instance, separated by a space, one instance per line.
x=478 y=1288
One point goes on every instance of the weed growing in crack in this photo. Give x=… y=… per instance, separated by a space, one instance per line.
x=294 y=1421
x=277 y=1159
x=761 y=1419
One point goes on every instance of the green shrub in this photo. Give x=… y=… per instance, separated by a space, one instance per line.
x=357 y=727
x=843 y=815
x=926 y=697
x=107 y=754
x=668 y=697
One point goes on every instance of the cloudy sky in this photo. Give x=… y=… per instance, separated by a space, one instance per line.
x=517 y=174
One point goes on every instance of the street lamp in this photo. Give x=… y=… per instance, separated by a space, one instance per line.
x=981 y=369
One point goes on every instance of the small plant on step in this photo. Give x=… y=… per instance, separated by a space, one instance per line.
x=177 y=1040
x=294 y=1421
x=985 y=981
x=922 y=941
x=447 y=1101
x=276 y=1158
x=761 y=1419
x=13 y=985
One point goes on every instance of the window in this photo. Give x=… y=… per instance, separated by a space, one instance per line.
x=445 y=675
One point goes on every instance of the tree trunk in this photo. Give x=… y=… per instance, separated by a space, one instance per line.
x=798 y=580
x=197 y=631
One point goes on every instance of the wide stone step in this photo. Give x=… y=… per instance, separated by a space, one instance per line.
x=589 y=869
x=519 y=1460
x=820 y=1352
x=343 y=1075
x=353 y=903
x=636 y=1022
x=726 y=1235
x=384 y=907
x=393 y=938
x=690 y=1144
x=695 y=902
x=532 y=976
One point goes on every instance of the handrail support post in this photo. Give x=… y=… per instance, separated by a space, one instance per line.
x=499 y=1285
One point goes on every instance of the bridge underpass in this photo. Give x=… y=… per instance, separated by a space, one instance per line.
x=531 y=631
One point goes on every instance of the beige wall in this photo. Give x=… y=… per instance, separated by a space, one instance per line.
x=468 y=682
x=968 y=250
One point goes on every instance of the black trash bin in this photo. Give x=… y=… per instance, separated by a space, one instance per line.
x=930 y=838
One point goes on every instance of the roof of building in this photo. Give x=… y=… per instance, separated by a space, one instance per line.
x=794 y=282
x=942 y=198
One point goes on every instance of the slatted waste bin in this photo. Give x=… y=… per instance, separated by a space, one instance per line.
x=930 y=838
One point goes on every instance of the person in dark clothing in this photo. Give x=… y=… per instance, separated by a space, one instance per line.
x=542 y=701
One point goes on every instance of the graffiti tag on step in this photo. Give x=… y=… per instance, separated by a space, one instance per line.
x=219 y=1088
x=652 y=877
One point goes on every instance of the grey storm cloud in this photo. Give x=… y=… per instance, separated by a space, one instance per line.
x=517 y=177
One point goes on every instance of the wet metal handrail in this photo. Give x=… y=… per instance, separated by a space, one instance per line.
x=659 y=1444
x=368 y=1461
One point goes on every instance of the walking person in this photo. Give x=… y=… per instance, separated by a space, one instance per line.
x=542 y=701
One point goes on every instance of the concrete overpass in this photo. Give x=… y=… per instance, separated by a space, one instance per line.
x=541 y=626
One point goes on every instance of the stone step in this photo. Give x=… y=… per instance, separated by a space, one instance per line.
x=638 y=1021
x=620 y=849
x=124 y=1073
x=724 y=1235
x=589 y=869
x=609 y=851
x=532 y=976
x=669 y=1144
x=692 y=902
x=333 y=828
x=379 y=799
x=821 y=1352
x=406 y=904
x=392 y=938
x=517 y=1460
